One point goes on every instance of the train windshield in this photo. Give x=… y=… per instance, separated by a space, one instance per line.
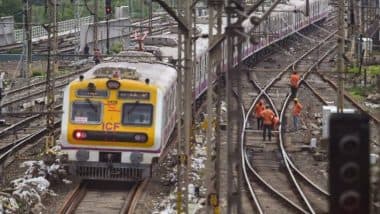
x=137 y=114
x=86 y=112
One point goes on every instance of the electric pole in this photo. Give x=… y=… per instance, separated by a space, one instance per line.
x=77 y=27
x=26 y=68
x=188 y=119
x=215 y=10
x=150 y=16
x=185 y=67
x=108 y=14
x=95 y=35
x=340 y=60
x=50 y=74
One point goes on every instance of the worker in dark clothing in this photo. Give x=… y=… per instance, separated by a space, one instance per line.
x=86 y=50
x=97 y=56
x=268 y=116
x=294 y=83
x=260 y=107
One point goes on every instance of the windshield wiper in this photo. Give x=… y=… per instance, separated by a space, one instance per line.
x=133 y=108
x=92 y=105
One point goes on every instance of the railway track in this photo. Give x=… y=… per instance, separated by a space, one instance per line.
x=263 y=160
x=67 y=43
x=103 y=197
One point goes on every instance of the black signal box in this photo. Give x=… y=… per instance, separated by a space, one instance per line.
x=349 y=163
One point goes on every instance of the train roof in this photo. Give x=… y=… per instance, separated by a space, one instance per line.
x=159 y=74
x=202 y=43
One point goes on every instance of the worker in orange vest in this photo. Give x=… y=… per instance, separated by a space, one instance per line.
x=268 y=116
x=260 y=107
x=297 y=107
x=294 y=83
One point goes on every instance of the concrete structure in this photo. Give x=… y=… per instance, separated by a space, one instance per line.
x=7 y=30
x=326 y=112
x=119 y=30
x=121 y=12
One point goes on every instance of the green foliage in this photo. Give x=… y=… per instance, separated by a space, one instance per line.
x=353 y=70
x=117 y=47
x=374 y=70
x=359 y=92
x=11 y=8
x=37 y=74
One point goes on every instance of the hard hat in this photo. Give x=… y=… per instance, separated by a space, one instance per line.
x=296 y=99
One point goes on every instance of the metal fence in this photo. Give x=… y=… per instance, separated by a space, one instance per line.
x=68 y=25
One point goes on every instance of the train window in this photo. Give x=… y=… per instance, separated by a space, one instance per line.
x=86 y=112
x=137 y=114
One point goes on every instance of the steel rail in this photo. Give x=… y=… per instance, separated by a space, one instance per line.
x=75 y=197
x=252 y=170
x=285 y=156
x=22 y=122
x=131 y=204
x=251 y=191
x=349 y=98
x=14 y=91
x=18 y=144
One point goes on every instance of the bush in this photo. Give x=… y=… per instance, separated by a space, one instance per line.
x=37 y=74
x=117 y=47
x=353 y=70
x=374 y=70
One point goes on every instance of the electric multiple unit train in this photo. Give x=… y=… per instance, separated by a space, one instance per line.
x=118 y=116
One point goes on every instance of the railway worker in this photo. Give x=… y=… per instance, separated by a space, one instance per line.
x=97 y=56
x=86 y=50
x=297 y=107
x=268 y=116
x=259 y=108
x=294 y=83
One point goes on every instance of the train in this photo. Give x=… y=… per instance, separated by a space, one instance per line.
x=118 y=116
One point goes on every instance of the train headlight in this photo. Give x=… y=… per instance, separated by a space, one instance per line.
x=82 y=155
x=136 y=157
x=80 y=135
x=140 y=137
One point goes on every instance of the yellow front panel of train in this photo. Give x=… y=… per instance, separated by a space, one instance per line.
x=122 y=116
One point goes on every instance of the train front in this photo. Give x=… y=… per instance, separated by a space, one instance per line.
x=108 y=126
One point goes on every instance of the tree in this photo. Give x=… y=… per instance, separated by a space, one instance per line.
x=11 y=8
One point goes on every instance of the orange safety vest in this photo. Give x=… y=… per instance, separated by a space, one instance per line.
x=294 y=78
x=297 y=109
x=267 y=115
x=258 y=109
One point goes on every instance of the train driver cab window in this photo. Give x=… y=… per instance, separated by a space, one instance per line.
x=86 y=112
x=137 y=114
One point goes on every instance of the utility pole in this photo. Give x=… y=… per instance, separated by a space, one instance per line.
x=95 y=35
x=77 y=27
x=150 y=16
x=108 y=13
x=185 y=65
x=232 y=189
x=188 y=119
x=215 y=10
x=340 y=60
x=50 y=74
x=180 y=107
x=27 y=40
